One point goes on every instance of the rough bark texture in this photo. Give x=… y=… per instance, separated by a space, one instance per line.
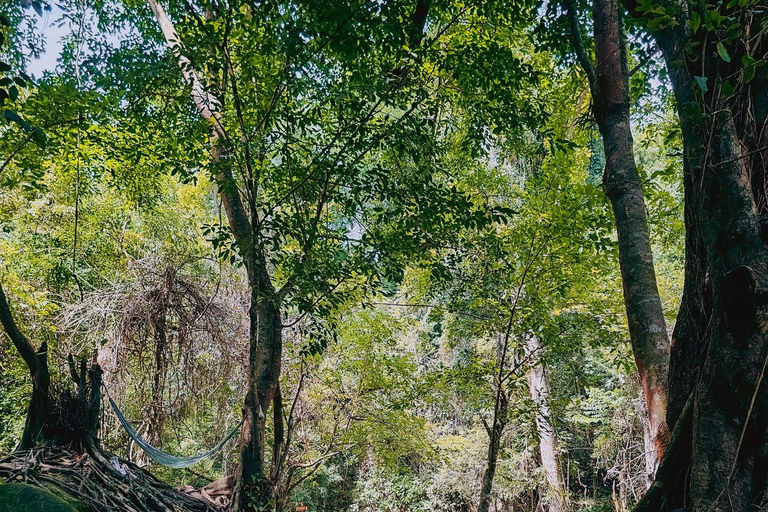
x=609 y=85
x=65 y=417
x=253 y=489
x=720 y=349
x=538 y=387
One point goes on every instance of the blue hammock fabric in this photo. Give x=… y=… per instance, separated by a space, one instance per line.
x=166 y=459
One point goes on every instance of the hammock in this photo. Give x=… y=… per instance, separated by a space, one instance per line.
x=166 y=459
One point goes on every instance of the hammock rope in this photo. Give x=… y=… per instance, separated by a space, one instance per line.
x=167 y=459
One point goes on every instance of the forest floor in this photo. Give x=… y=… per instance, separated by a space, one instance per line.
x=98 y=482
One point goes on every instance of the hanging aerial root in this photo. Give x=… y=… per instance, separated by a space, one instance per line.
x=100 y=481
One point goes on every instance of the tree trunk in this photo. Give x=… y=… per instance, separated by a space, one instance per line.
x=495 y=432
x=538 y=387
x=37 y=362
x=720 y=342
x=253 y=489
x=66 y=419
x=651 y=460
x=609 y=84
x=157 y=414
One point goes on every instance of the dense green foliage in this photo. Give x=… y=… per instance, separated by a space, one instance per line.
x=420 y=195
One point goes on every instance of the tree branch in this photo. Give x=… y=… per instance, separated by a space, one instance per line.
x=20 y=341
x=207 y=107
x=578 y=46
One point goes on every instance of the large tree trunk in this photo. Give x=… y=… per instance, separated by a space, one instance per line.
x=254 y=490
x=609 y=85
x=720 y=348
x=538 y=387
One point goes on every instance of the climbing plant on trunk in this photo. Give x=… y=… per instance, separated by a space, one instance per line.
x=715 y=54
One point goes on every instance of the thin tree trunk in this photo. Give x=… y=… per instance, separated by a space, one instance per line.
x=157 y=411
x=495 y=431
x=609 y=84
x=500 y=410
x=538 y=386
x=253 y=490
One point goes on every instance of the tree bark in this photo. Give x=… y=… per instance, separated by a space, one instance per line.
x=47 y=423
x=609 y=85
x=253 y=491
x=37 y=362
x=495 y=431
x=538 y=386
x=720 y=342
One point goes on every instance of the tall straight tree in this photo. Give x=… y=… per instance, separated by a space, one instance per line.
x=609 y=85
x=538 y=386
x=266 y=345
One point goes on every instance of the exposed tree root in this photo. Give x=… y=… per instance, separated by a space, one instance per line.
x=100 y=481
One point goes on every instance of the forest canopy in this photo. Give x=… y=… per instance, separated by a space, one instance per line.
x=390 y=255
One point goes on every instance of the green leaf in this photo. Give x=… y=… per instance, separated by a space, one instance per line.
x=40 y=139
x=727 y=88
x=722 y=52
x=701 y=81
x=695 y=22
x=13 y=117
x=749 y=74
x=713 y=19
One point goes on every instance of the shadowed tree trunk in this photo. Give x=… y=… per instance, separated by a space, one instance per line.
x=37 y=362
x=159 y=322
x=67 y=418
x=495 y=431
x=609 y=85
x=719 y=450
